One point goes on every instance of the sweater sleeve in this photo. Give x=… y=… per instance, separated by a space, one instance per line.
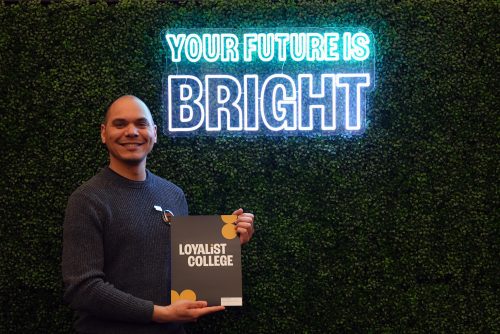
x=182 y=204
x=85 y=283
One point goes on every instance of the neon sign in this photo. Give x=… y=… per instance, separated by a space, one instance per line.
x=282 y=81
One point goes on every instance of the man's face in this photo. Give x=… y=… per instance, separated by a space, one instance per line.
x=129 y=132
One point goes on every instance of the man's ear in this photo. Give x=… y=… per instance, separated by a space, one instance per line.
x=156 y=136
x=103 y=133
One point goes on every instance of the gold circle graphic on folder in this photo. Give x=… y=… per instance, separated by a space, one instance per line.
x=186 y=294
x=229 y=230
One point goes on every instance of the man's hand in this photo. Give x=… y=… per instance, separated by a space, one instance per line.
x=183 y=311
x=244 y=225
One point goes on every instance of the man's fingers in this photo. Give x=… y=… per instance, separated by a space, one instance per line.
x=211 y=309
x=207 y=310
x=245 y=235
x=244 y=225
x=201 y=305
x=238 y=212
x=245 y=217
x=197 y=304
x=244 y=238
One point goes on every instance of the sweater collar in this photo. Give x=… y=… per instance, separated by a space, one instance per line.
x=117 y=179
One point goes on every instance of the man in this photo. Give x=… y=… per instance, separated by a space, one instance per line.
x=116 y=248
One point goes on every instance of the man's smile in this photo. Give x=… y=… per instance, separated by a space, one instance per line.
x=131 y=145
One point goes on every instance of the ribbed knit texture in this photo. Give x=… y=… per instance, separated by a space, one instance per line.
x=116 y=253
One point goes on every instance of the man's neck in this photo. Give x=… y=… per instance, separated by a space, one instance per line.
x=131 y=172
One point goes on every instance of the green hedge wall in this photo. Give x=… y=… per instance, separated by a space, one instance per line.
x=396 y=230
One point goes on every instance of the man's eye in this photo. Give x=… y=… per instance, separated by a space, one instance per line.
x=119 y=124
x=143 y=124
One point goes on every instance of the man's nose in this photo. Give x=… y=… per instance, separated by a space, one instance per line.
x=132 y=131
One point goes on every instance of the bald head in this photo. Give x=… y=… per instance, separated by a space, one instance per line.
x=129 y=134
x=124 y=102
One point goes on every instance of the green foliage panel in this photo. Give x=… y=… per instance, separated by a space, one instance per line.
x=396 y=230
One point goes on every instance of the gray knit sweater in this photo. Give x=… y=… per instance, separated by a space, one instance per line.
x=116 y=253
